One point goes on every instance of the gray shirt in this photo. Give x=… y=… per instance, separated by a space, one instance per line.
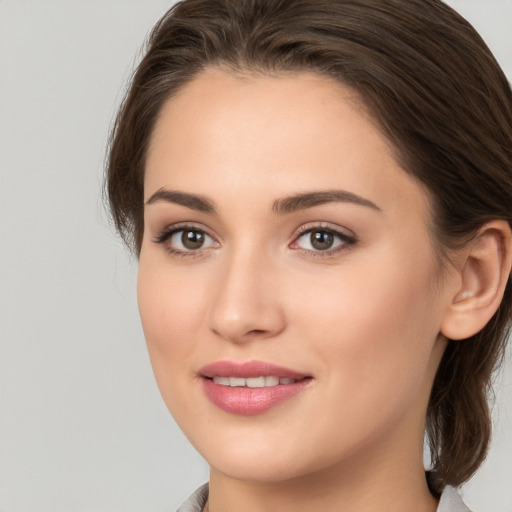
x=450 y=501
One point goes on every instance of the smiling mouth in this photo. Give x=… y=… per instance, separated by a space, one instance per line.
x=250 y=396
x=253 y=382
x=250 y=373
x=252 y=387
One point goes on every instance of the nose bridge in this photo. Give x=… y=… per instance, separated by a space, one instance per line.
x=246 y=304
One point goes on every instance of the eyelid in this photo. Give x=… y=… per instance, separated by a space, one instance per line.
x=327 y=226
x=347 y=237
x=170 y=230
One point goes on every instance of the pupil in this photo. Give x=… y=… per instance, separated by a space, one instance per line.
x=192 y=239
x=322 y=240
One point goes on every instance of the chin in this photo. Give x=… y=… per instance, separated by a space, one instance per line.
x=265 y=460
x=250 y=456
x=270 y=471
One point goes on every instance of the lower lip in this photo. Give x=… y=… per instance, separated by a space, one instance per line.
x=250 y=401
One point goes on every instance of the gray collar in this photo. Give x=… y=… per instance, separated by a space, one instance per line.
x=450 y=501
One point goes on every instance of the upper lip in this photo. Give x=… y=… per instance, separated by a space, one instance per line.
x=248 y=369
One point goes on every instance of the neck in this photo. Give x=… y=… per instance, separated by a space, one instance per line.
x=329 y=492
x=380 y=481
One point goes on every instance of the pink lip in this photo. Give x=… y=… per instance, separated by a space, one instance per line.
x=248 y=369
x=250 y=401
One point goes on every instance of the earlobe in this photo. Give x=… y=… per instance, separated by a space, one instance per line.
x=484 y=274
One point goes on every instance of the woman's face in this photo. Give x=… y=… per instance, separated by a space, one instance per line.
x=283 y=241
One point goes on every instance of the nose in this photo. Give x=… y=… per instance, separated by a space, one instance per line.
x=247 y=305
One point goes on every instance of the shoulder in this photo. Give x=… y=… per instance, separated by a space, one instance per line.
x=451 y=501
x=196 y=501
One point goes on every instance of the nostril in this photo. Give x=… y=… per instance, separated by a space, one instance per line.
x=246 y=321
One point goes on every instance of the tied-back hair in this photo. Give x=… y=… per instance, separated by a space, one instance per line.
x=430 y=84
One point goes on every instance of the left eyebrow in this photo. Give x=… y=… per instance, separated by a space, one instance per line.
x=310 y=199
x=201 y=204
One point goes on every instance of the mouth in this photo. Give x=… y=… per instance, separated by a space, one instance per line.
x=250 y=388
x=250 y=370
x=253 y=382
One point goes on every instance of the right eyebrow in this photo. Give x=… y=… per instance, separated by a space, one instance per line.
x=191 y=201
x=306 y=200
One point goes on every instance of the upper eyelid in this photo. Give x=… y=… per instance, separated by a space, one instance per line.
x=165 y=235
x=166 y=232
x=347 y=237
x=308 y=227
x=182 y=226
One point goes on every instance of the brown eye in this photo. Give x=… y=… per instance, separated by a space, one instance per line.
x=181 y=241
x=192 y=240
x=186 y=240
x=321 y=240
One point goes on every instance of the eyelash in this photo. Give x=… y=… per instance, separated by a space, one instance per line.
x=346 y=240
x=170 y=231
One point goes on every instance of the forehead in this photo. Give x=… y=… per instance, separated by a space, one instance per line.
x=218 y=103
x=271 y=136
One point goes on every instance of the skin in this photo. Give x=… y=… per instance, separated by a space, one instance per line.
x=364 y=321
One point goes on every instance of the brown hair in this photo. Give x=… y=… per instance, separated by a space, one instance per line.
x=435 y=90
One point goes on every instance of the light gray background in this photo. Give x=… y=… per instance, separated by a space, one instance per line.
x=82 y=426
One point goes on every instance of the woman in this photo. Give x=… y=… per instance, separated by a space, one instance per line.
x=319 y=194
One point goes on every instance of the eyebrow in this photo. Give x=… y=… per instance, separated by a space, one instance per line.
x=283 y=206
x=311 y=199
x=191 y=201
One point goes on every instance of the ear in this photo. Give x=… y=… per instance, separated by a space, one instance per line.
x=484 y=273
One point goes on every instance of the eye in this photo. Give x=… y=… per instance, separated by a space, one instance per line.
x=189 y=240
x=322 y=240
x=185 y=240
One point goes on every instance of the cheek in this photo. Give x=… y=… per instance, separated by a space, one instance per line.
x=171 y=308
x=374 y=330
x=170 y=298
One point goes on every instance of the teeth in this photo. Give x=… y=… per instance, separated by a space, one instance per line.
x=252 y=382
x=221 y=380
x=255 y=382
x=271 y=381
